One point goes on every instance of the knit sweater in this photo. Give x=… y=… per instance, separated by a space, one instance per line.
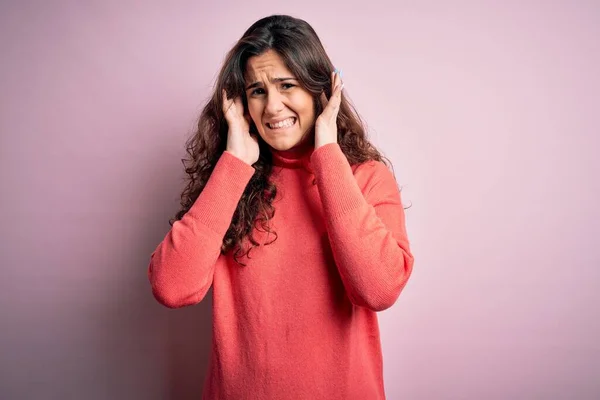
x=299 y=320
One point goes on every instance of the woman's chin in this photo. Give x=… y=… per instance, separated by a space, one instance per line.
x=287 y=143
x=283 y=145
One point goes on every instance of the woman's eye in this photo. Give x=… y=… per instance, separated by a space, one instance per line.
x=259 y=91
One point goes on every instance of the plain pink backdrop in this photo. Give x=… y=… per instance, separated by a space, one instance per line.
x=489 y=111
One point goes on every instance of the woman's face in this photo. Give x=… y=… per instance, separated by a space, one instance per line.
x=281 y=109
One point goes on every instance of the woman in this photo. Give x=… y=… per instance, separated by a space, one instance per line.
x=294 y=219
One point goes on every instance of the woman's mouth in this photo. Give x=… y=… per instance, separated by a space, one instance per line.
x=286 y=123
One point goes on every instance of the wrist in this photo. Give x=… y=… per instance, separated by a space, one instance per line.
x=321 y=144
x=241 y=158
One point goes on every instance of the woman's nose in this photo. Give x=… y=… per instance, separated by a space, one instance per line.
x=274 y=103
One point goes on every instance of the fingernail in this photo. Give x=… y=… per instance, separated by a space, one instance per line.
x=341 y=75
x=335 y=71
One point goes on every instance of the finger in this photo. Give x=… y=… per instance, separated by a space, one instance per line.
x=334 y=81
x=338 y=81
x=249 y=121
x=336 y=99
x=225 y=98
x=238 y=104
x=331 y=107
x=226 y=102
x=323 y=99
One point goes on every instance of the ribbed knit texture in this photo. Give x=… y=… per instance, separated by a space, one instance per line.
x=299 y=320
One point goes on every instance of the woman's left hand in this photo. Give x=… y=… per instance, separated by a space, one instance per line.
x=326 y=123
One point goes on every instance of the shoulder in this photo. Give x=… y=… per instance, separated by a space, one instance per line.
x=373 y=174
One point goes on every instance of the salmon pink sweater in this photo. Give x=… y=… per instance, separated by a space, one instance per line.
x=299 y=320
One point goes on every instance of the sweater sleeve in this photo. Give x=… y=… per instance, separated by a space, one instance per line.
x=182 y=267
x=367 y=231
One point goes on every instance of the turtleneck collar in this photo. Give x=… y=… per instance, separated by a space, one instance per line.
x=297 y=157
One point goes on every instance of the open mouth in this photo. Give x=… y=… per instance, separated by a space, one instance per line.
x=285 y=124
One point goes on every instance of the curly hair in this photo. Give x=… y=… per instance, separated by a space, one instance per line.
x=296 y=42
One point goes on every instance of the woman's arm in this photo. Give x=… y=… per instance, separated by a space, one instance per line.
x=182 y=266
x=366 y=231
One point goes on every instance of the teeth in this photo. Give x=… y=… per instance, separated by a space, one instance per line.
x=283 y=124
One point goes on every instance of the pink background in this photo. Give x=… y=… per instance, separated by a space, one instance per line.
x=488 y=110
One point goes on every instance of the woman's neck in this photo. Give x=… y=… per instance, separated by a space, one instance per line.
x=295 y=157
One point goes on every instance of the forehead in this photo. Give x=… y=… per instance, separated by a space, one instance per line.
x=266 y=65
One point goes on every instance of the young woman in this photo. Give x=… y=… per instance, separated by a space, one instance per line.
x=296 y=222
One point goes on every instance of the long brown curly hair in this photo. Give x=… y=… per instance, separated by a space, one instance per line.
x=298 y=45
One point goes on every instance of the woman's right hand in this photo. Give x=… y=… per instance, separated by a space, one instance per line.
x=240 y=142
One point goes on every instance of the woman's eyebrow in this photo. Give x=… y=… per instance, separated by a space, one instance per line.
x=274 y=80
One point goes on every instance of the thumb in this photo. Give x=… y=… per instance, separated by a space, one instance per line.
x=250 y=122
x=225 y=104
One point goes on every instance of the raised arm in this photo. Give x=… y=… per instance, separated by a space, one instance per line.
x=182 y=266
x=366 y=230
